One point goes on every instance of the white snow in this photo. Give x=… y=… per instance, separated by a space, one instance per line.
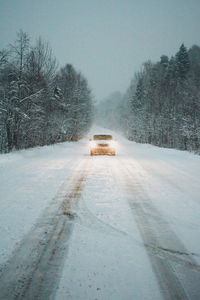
x=29 y=179
x=106 y=258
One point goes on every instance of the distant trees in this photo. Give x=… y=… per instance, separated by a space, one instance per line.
x=38 y=105
x=75 y=103
x=164 y=101
x=162 y=104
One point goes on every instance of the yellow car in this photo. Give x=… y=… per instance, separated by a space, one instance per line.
x=102 y=144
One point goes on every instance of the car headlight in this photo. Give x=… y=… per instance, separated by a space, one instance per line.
x=112 y=144
x=93 y=144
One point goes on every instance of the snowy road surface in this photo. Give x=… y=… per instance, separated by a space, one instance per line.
x=80 y=227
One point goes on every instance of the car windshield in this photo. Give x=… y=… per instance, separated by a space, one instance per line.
x=102 y=137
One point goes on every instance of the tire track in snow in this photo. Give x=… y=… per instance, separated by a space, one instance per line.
x=33 y=270
x=166 y=179
x=176 y=271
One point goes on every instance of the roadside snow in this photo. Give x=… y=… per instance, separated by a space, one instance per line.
x=171 y=179
x=29 y=179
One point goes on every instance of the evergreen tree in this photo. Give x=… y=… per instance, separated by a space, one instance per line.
x=162 y=102
x=182 y=62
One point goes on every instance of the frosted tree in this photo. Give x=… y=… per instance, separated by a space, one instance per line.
x=162 y=102
x=76 y=102
x=37 y=105
x=182 y=62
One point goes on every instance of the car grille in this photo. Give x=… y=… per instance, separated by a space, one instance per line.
x=103 y=145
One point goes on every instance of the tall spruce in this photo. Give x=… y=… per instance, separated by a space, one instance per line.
x=182 y=62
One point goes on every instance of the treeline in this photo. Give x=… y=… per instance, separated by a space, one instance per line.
x=162 y=103
x=164 y=100
x=39 y=104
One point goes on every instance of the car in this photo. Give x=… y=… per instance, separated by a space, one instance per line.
x=102 y=144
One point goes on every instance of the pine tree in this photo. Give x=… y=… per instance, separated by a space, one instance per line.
x=182 y=62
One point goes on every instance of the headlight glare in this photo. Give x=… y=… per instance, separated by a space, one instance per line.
x=112 y=144
x=92 y=144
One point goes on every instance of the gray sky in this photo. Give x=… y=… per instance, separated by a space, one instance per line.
x=107 y=40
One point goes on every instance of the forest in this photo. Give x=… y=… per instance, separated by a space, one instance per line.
x=162 y=103
x=40 y=104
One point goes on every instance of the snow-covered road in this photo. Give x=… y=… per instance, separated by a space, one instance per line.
x=111 y=228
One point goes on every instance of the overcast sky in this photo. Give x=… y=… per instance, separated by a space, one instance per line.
x=107 y=40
